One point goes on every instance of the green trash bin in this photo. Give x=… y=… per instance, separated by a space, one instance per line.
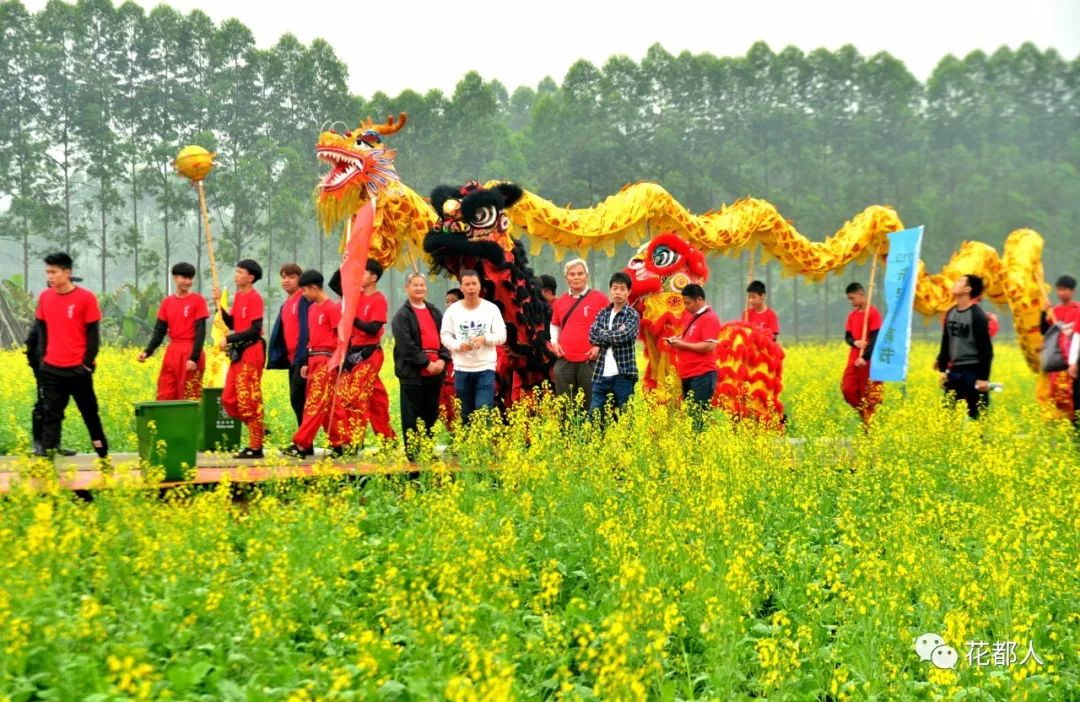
x=219 y=431
x=177 y=424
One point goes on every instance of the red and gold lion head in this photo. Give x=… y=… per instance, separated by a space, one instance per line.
x=665 y=264
x=659 y=271
x=749 y=363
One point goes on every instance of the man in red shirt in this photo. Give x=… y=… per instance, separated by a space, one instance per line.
x=288 y=339
x=323 y=316
x=242 y=396
x=757 y=312
x=695 y=353
x=419 y=361
x=182 y=316
x=572 y=316
x=69 y=337
x=1066 y=315
x=361 y=395
x=859 y=391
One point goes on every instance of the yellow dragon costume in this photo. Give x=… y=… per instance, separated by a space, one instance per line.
x=403 y=218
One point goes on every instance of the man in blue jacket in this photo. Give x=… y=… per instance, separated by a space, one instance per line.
x=288 y=340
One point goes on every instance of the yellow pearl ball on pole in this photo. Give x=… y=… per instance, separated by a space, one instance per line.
x=194 y=162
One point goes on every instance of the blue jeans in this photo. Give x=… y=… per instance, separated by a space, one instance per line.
x=474 y=389
x=619 y=387
x=702 y=388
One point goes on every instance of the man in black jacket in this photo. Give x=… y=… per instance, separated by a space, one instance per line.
x=419 y=361
x=966 y=349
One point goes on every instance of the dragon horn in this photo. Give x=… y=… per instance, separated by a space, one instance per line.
x=390 y=127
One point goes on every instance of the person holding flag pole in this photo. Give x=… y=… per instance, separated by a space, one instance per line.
x=242 y=388
x=892 y=346
x=860 y=333
x=195 y=163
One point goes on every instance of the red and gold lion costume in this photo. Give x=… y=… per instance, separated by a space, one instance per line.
x=749 y=364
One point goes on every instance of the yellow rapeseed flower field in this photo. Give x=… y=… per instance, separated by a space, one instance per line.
x=559 y=562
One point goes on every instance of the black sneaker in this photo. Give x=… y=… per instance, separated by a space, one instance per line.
x=67 y=452
x=294 y=451
x=249 y=453
x=337 y=451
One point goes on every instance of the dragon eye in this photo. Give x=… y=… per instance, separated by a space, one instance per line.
x=370 y=138
x=485 y=217
x=663 y=257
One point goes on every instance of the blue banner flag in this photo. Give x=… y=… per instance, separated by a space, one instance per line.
x=889 y=360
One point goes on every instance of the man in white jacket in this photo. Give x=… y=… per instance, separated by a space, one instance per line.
x=471 y=329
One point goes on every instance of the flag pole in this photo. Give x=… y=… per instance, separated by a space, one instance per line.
x=870 y=294
x=341 y=363
x=206 y=228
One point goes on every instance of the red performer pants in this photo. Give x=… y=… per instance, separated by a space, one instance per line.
x=1061 y=392
x=446 y=398
x=321 y=378
x=242 y=396
x=860 y=392
x=362 y=399
x=174 y=381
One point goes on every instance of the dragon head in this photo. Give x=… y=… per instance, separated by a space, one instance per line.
x=360 y=167
x=666 y=263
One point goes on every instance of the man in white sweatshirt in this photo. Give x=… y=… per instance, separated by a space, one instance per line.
x=471 y=329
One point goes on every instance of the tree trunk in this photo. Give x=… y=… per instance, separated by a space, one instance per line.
x=104 y=236
x=795 y=305
x=67 y=198
x=135 y=222
x=26 y=253
x=269 y=246
x=824 y=307
x=168 y=259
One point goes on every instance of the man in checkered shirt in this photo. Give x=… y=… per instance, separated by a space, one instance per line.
x=615 y=333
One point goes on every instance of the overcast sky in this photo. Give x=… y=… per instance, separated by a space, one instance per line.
x=391 y=46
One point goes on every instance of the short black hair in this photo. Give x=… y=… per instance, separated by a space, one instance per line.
x=756 y=287
x=468 y=273
x=184 y=270
x=311 y=277
x=853 y=288
x=976 y=284
x=547 y=282
x=456 y=292
x=374 y=267
x=693 y=291
x=252 y=267
x=1066 y=281
x=620 y=277
x=60 y=260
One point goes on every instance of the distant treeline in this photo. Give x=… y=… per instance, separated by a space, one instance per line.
x=96 y=99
